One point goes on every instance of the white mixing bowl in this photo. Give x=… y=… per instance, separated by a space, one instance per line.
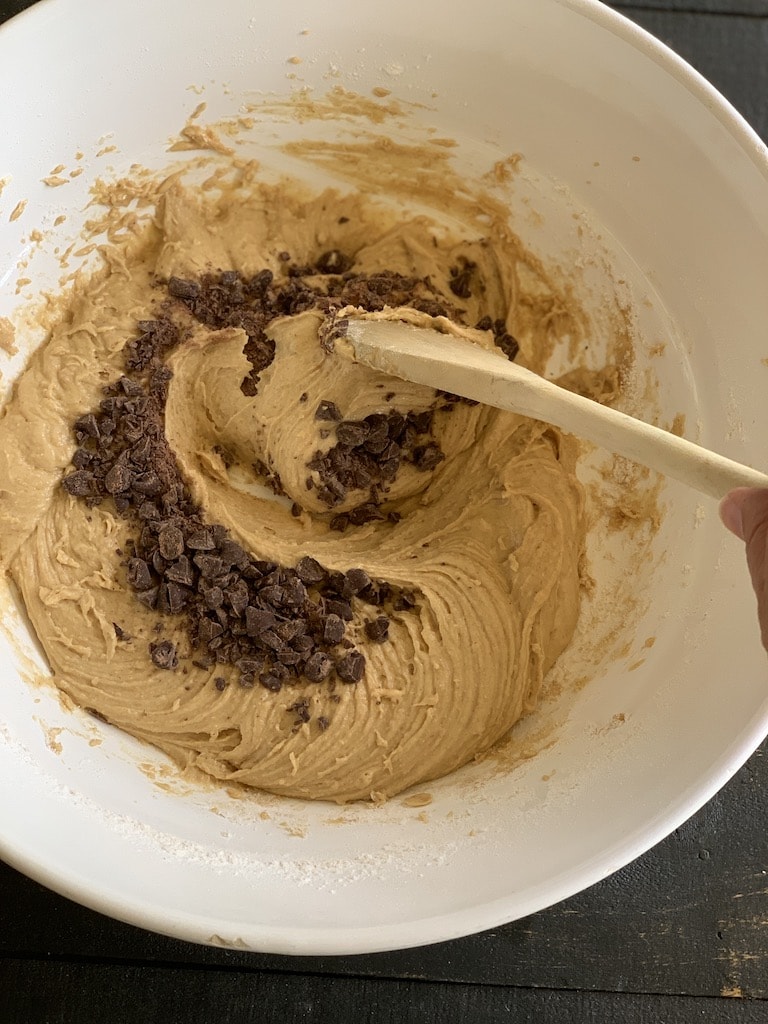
x=619 y=137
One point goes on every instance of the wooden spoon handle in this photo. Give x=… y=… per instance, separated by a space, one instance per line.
x=441 y=361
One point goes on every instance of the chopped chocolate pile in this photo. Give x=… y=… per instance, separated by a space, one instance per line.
x=230 y=300
x=367 y=455
x=272 y=623
x=374 y=292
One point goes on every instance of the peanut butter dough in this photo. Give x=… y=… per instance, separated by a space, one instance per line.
x=489 y=539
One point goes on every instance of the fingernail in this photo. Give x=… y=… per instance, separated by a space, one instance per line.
x=730 y=511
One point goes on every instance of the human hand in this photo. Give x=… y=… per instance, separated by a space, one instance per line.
x=745 y=512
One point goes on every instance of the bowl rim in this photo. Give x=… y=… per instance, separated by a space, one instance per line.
x=455 y=924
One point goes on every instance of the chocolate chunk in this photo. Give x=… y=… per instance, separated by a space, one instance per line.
x=220 y=683
x=120 y=633
x=508 y=345
x=358 y=580
x=181 y=572
x=461 y=278
x=181 y=289
x=338 y=585
x=260 y=282
x=163 y=654
x=171 y=542
x=177 y=598
x=237 y=597
x=334 y=262
x=337 y=489
x=149 y=597
x=271 y=640
x=333 y=630
x=148 y=510
x=377 y=593
x=427 y=457
x=273 y=595
x=249 y=666
x=159 y=564
x=318 y=667
x=294 y=593
x=287 y=631
x=367 y=513
x=209 y=565
x=208 y=630
x=213 y=597
x=351 y=668
x=80 y=483
x=352 y=433
x=341 y=608
x=281 y=671
x=404 y=600
x=378 y=629
x=301 y=708
x=130 y=388
x=377 y=441
x=118 y=478
x=231 y=553
x=310 y=571
x=328 y=411
x=258 y=620
x=421 y=422
x=275 y=578
x=201 y=540
x=391 y=452
x=323 y=722
x=270 y=682
x=139 y=575
x=148 y=483
x=158 y=384
x=142 y=453
x=378 y=421
x=87 y=425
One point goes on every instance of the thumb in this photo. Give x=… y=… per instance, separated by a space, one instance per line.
x=745 y=512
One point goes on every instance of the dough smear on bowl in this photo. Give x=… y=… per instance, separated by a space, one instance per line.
x=278 y=566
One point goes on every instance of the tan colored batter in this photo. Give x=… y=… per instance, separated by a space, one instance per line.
x=491 y=539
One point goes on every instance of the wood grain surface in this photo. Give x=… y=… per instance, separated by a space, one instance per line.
x=679 y=936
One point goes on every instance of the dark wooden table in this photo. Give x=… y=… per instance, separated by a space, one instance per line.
x=679 y=936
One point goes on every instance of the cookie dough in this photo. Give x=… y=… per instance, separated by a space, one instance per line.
x=484 y=539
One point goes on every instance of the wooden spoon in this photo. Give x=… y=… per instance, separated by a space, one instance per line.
x=442 y=361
